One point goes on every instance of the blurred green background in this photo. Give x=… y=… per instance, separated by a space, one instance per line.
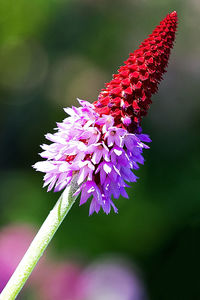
x=54 y=51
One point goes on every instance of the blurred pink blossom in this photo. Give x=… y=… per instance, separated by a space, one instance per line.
x=111 y=279
x=61 y=282
x=14 y=241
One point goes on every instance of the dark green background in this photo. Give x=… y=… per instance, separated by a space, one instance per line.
x=54 y=51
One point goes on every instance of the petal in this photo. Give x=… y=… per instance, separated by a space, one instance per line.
x=64 y=167
x=144 y=138
x=124 y=193
x=115 y=190
x=48 y=178
x=128 y=175
x=52 y=183
x=69 y=111
x=107 y=168
x=114 y=207
x=97 y=155
x=106 y=206
x=102 y=176
x=94 y=207
x=84 y=196
x=118 y=140
x=85 y=103
x=82 y=175
x=110 y=140
x=106 y=155
x=118 y=151
x=44 y=166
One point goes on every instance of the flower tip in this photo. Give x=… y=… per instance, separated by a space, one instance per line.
x=35 y=166
x=127 y=97
x=173 y=14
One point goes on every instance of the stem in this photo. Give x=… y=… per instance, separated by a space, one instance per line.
x=40 y=242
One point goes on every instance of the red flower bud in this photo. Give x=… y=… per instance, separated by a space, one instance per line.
x=138 y=79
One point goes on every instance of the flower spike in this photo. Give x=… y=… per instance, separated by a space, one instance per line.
x=103 y=142
x=127 y=96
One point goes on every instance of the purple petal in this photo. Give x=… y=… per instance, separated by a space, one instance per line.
x=124 y=193
x=106 y=206
x=94 y=207
x=144 y=138
x=45 y=166
x=107 y=168
x=96 y=157
x=114 y=207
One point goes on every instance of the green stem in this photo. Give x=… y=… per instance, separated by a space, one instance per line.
x=40 y=242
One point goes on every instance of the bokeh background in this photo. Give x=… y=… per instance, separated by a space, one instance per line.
x=52 y=52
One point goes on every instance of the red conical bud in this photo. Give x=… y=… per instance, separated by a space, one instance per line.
x=128 y=95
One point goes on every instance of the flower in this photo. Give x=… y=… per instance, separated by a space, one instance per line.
x=103 y=142
x=112 y=279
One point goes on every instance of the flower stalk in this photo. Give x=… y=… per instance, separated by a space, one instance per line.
x=40 y=242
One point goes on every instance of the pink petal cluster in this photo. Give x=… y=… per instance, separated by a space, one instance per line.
x=102 y=155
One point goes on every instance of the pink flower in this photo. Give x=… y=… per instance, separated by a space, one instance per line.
x=99 y=150
x=111 y=280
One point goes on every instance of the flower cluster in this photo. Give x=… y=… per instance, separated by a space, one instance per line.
x=101 y=153
x=103 y=142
